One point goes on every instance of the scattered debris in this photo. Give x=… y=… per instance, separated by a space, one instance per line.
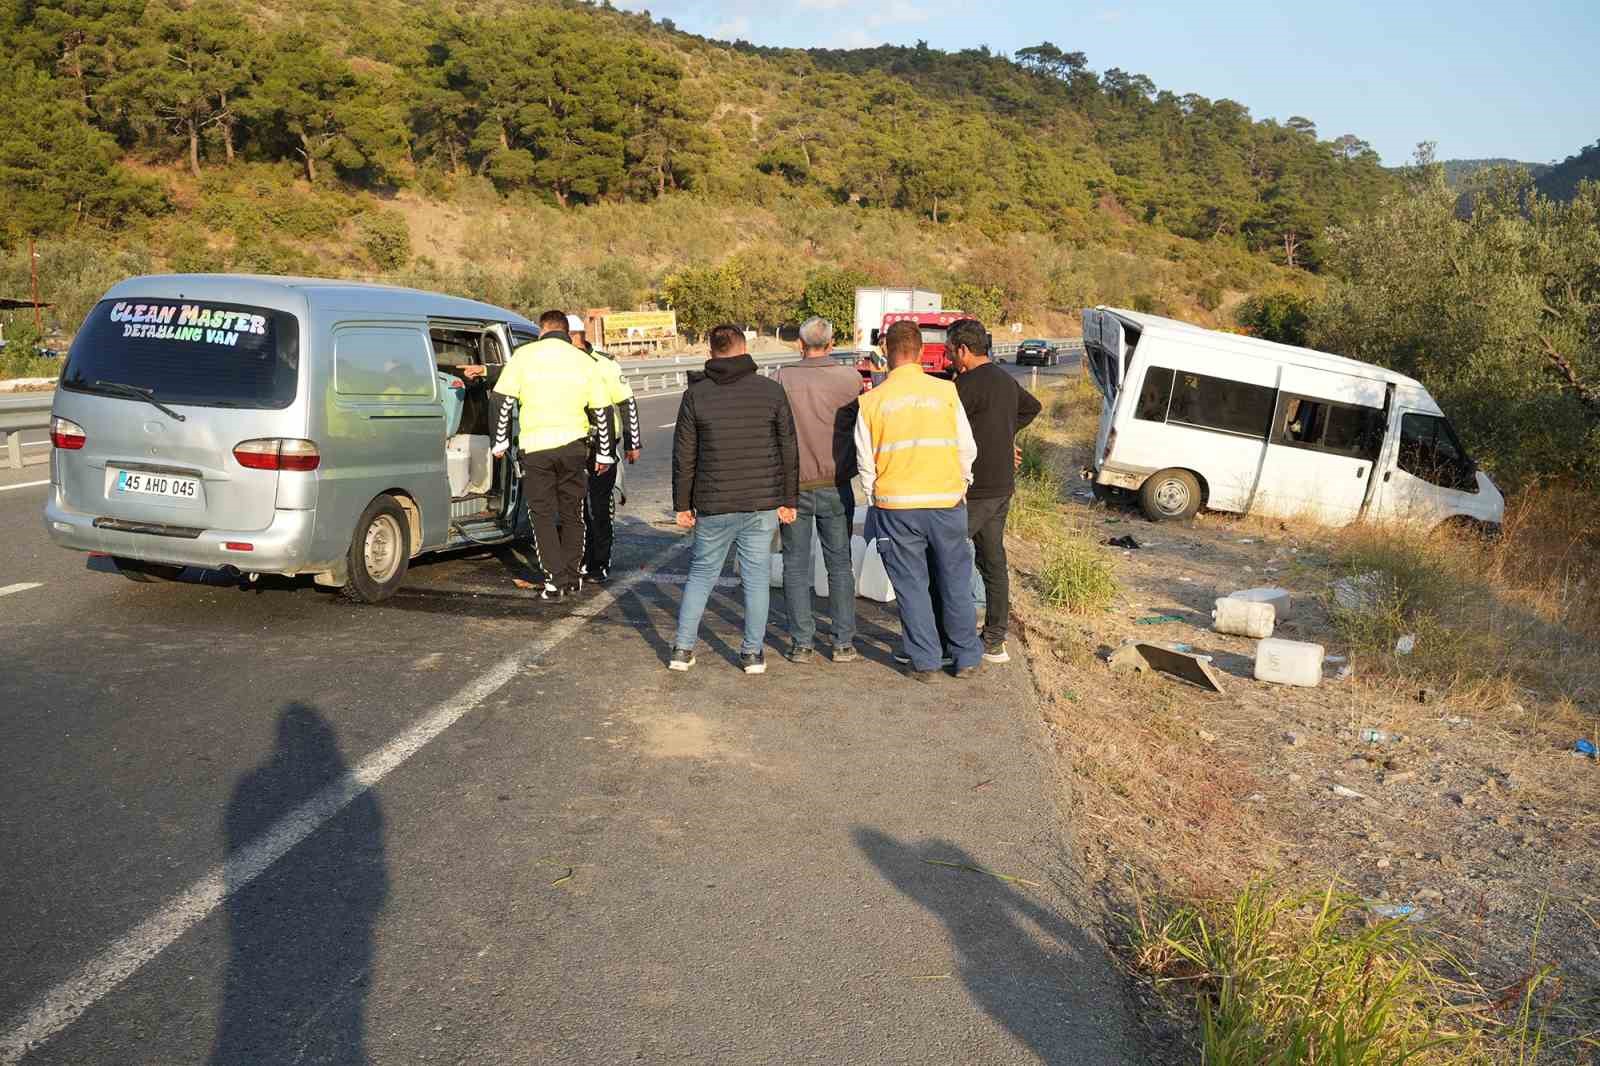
x=980 y=870
x=563 y=878
x=1125 y=541
x=1140 y=656
x=1347 y=793
x=1333 y=658
x=1585 y=747
x=1398 y=911
x=1406 y=644
x=1399 y=777
x=1246 y=540
x=1289 y=662
x=1207 y=736
x=1294 y=740
x=1359 y=591
x=521 y=584
x=1377 y=736
x=1158 y=619
x=1243 y=618
x=1344 y=673
x=1426 y=695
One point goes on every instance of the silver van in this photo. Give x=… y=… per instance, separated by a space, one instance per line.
x=270 y=425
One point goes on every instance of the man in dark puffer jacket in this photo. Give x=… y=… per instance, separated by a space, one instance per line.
x=735 y=476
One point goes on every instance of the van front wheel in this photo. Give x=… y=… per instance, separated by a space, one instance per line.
x=379 y=552
x=1170 y=495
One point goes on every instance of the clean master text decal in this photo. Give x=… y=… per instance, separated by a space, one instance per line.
x=186 y=322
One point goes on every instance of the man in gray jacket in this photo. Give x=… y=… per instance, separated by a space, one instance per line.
x=822 y=394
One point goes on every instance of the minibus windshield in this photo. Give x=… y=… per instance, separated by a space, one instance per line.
x=178 y=351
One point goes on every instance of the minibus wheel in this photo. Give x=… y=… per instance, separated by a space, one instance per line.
x=1170 y=495
x=379 y=552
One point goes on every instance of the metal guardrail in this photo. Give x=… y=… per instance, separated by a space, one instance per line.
x=29 y=410
x=662 y=375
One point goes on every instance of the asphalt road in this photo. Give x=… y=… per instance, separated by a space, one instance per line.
x=566 y=854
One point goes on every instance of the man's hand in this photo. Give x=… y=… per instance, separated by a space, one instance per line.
x=633 y=455
x=472 y=370
x=601 y=468
x=1016 y=457
x=787 y=515
x=501 y=451
x=686 y=519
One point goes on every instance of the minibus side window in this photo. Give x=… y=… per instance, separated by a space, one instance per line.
x=392 y=362
x=1155 y=396
x=1429 y=450
x=1222 y=404
x=1323 y=425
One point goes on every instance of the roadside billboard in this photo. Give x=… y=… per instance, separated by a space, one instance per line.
x=627 y=327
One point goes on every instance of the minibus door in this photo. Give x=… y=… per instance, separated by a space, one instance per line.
x=1326 y=436
x=1427 y=474
x=1104 y=353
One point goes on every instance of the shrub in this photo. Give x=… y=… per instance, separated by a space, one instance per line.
x=1276 y=316
x=984 y=304
x=1076 y=575
x=385 y=238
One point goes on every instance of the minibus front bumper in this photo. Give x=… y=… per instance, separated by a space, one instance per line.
x=282 y=548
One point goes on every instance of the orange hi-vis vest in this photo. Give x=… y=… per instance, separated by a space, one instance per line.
x=912 y=418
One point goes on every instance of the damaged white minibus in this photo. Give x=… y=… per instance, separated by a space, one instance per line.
x=1195 y=418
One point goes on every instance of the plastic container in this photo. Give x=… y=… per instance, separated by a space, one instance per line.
x=1289 y=662
x=1279 y=598
x=453 y=395
x=458 y=464
x=480 y=468
x=1244 y=618
x=872 y=580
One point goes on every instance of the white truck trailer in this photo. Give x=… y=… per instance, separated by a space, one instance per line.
x=873 y=304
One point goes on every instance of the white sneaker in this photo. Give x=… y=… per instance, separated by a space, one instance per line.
x=996 y=653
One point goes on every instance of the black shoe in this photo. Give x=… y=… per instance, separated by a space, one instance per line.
x=551 y=591
x=927 y=677
x=996 y=652
x=905 y=660
x=598 y=574
x=845 y=653
x=682 y=659
x=753 y=662
x=969 y=672
x=798 y=654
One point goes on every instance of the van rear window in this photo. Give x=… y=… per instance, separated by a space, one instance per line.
x=203 y=353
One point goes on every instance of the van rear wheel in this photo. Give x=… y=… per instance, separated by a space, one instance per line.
x=1170 y=496
x=379 y=553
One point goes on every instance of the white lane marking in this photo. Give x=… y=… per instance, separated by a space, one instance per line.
x=24 y=485
x=63 y=1004
x=21 y=586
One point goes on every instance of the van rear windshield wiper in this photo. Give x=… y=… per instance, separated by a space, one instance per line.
x=137 y=393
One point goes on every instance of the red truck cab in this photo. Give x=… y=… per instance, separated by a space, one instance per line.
x=933 y=325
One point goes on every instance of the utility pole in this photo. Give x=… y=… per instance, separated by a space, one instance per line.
x=33 y=272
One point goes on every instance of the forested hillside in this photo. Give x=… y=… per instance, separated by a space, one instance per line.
x=575 y=104
x=1460 y=172
x=1561 y=181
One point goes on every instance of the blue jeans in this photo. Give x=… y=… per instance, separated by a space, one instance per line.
x=714 y=534
x=832 y=510
x=923 y=549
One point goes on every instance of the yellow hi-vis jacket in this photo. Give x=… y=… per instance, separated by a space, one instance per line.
x=914 y=446
x=556 y=387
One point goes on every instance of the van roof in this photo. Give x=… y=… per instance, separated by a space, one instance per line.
x=1261 y=349
x=267 y=289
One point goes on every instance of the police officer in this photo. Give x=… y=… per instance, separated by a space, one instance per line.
x=561 y=398
x=600 y=503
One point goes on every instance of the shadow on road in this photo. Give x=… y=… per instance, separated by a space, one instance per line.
x=300 y=937
x=1020 y=961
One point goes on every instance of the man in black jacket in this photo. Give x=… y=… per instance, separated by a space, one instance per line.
x=735 y=476
x=998 y=409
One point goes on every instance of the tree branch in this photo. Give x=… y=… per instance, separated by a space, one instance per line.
x=1563 y=367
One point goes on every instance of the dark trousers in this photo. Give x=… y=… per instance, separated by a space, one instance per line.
x=925 y=550
x=599 y=513
x=554 y=483
x=986 y=526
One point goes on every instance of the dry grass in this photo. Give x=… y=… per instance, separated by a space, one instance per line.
x=1186 y=794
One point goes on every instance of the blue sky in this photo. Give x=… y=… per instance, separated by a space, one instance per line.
x=1482 y=79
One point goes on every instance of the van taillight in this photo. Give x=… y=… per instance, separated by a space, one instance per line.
x=1111 y=442
x=277 y=453
x=66 y=434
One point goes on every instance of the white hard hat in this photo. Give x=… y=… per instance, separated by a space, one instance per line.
x=575 y=325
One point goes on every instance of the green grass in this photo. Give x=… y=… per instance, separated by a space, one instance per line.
x=1314 y=978
x=1076 y=575
x=18 y=362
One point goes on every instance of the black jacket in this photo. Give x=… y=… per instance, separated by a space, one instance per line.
x=734 y=446
x=998 y=408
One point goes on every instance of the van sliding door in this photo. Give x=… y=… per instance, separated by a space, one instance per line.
x=1327 y=433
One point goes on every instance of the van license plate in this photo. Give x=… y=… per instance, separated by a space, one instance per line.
x=169 y=486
